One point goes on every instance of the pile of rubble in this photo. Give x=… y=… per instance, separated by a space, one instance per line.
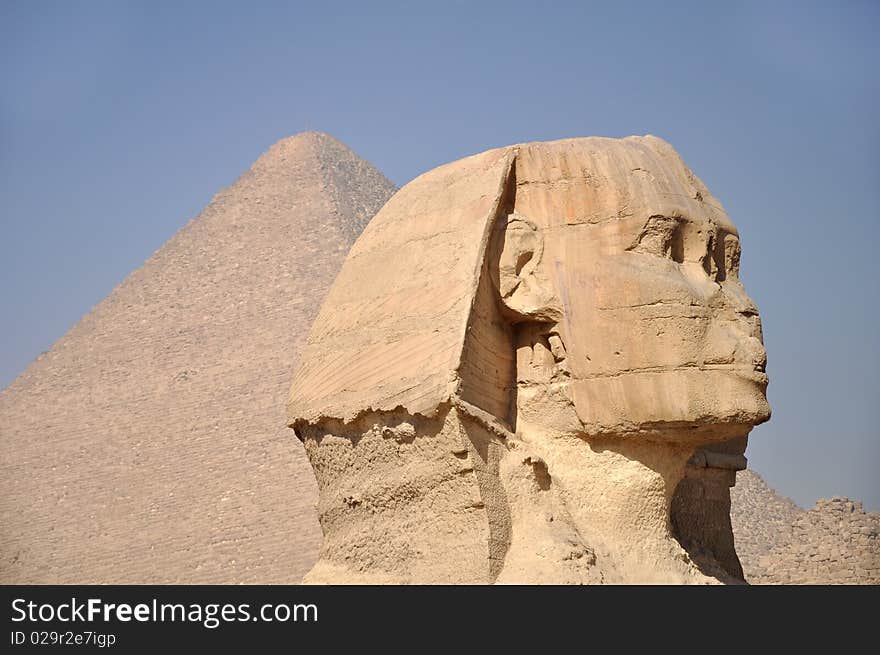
x=836 y=542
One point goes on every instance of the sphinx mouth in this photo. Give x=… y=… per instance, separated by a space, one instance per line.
x=760 y=377
x=756 y=373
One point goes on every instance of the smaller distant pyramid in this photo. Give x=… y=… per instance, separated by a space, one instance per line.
x=835 y=542
x=761 y=519
x=149 y=444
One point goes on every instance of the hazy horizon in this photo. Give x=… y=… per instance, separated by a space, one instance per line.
x=120 y=121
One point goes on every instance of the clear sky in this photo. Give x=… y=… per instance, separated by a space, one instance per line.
x=119 y=121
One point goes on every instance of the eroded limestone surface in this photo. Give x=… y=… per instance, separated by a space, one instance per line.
x=537 y=364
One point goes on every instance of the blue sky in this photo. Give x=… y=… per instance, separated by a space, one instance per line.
x=120 y=120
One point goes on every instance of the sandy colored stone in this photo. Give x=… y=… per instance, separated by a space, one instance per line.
x=148 y=445
x=537 y=364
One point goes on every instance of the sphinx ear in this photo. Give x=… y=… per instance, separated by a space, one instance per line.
x=524 y=290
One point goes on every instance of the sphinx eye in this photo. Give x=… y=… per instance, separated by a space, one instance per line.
x=710 y=258
x=722 y=257
x=662 y=238
x=731 y=256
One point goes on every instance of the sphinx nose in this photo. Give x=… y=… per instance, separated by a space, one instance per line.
x=742 y=304
x=750 y=322
x=759 y=359
x=750 y=352
x=743 y=311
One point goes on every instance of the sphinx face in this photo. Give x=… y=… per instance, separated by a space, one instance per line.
x=622 y=275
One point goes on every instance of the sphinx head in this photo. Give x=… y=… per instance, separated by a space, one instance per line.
x=562 y=317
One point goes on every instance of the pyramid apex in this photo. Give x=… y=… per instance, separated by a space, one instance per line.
x=302 y=145
x=311 y=137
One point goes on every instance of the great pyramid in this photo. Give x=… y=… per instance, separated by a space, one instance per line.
x=149 y=444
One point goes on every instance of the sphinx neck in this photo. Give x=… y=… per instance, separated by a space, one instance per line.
x=618 y=494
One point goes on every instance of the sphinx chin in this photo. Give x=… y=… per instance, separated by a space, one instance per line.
x=689 y=406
